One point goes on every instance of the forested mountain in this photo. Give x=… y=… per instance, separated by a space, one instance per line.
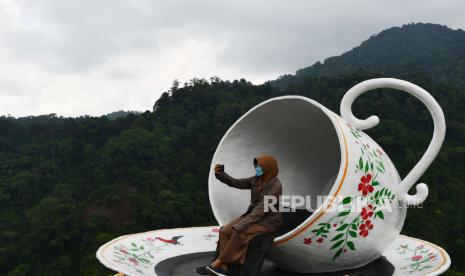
x=120 y=114
x=68 y=185
x=435 y=51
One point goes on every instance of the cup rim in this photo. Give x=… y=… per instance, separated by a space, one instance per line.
x=342 y=172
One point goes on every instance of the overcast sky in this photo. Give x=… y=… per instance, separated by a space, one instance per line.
x=77 y=57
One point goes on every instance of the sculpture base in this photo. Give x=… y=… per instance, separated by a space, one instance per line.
x=185 y=265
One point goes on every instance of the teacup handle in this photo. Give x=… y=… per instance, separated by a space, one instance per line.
x=434 y=146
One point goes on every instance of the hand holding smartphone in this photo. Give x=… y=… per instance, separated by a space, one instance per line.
x=219 y=168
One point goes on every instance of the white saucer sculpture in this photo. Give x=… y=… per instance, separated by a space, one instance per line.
x=318 y=153
x=139 y=254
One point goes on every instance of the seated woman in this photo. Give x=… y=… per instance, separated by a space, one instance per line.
x=235 y=236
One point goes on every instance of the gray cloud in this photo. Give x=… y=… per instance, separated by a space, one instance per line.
x=93 y=57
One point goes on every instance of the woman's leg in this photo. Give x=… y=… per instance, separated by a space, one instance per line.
x=224 y=236
x=225 y=233
x=235 y=248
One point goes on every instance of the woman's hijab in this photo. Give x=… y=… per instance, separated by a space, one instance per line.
x=269 y=166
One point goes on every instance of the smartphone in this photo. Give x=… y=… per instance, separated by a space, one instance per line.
x=222 y=167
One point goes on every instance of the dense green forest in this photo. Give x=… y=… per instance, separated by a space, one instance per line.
x=68 y=185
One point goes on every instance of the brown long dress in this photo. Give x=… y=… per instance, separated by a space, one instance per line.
x=235 y=236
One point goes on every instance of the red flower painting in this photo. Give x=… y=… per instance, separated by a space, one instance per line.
x=365 y=227
x=367 y=212
x=365 y=185
x=307 y=240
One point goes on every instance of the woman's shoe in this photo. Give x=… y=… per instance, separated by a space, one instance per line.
x=216 y=271
x=201 y=270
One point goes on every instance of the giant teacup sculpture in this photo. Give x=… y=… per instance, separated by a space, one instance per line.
x=320 y=153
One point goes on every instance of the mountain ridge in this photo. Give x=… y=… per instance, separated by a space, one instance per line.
x=434 y=50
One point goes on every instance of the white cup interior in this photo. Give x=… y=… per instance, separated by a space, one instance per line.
x=302 y=138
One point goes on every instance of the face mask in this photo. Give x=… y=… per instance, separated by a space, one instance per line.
x=258 y=171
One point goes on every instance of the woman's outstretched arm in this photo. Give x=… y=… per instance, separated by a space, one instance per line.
x=239 y=183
